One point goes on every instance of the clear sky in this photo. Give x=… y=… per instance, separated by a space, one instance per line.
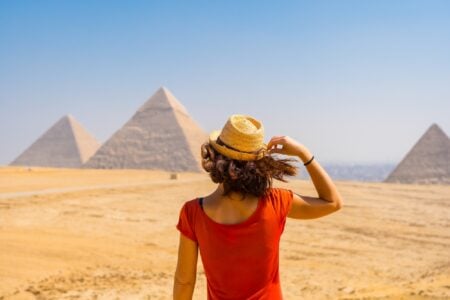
x=355 y=81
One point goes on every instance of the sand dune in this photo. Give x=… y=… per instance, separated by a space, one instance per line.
x=110 y=234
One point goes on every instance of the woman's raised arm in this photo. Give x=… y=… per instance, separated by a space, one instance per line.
x=306 y=207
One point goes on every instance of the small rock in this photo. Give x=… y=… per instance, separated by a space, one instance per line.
x=348 y=290
x=173 y=176
x=24 y=295
x=32 y=290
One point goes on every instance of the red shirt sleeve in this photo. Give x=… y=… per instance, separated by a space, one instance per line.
x=186 y=222
x=284 y=199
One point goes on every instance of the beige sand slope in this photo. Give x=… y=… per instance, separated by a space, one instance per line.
x=110 y=234
x=161 y=136
x=66 y=144
x=427 y=162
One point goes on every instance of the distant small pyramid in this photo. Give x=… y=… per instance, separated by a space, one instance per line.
x=65 y=145
x=160 y=135
x=427 y=162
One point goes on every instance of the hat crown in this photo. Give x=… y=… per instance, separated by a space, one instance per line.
x=243 y=124
x=243 y=133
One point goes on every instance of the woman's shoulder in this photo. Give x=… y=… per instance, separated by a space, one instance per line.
x=190 y=204
x=280 y=199
x=192 y=201
x=278 y=193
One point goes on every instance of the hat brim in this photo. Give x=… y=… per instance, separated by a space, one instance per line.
x=234 y=154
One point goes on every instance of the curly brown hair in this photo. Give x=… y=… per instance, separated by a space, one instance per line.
x=254 y=177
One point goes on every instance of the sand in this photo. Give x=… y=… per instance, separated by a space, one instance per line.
x=110 y=234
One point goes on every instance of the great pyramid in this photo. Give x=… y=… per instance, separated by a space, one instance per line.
x=427 y=162
x=160 y=135
x=66 y=145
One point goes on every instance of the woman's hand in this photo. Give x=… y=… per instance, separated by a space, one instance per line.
x=289 y=147
x=306 y=207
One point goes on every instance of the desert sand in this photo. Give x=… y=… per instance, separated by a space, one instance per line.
x=110 y=234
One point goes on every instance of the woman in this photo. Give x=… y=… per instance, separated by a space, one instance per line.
x=237 y=227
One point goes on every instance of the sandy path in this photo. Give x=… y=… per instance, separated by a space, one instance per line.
x=116 y=239
x=23 y=194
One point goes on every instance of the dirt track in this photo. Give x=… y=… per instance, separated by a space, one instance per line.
x=102 y=234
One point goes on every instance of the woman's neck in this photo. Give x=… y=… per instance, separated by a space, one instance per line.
x=232 y=195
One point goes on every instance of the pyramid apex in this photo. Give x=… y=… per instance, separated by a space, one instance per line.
x=435 y=125
x=162 y=88
x=65 y=119
x=165 y=90
x=163 y=99
x=435 y=128
x=70 y=119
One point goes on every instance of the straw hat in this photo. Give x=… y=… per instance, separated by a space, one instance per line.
x=241 y=138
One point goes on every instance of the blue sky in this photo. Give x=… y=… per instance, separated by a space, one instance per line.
x=355 y=81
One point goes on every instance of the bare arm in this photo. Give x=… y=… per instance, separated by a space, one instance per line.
x=306 y=207
x=186 y=272
x=325 y=187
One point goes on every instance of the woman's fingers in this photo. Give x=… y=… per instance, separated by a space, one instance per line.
x=276 y=150
x=275 y=140
x=287 y=144
x=274 y=143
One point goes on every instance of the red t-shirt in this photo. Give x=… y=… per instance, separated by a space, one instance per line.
x=240 y=260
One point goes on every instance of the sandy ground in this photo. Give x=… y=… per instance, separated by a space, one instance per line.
x=110 y=234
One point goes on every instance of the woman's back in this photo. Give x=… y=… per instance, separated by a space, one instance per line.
x=229 y=209
x=241 y=259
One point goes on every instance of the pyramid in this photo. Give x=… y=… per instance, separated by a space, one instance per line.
x=66 y=145
x=160 y=135
x=427 y=162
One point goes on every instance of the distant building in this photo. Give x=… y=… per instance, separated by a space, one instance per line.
x=427 y=162
x=66 y=145
x=160 y=135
